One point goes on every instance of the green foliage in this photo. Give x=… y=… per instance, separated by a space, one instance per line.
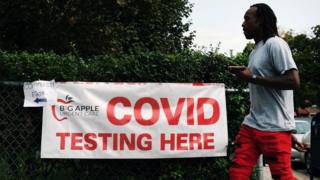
x=249 y=47
x=3 y=169
x=95 y=26
x=306 y=52
x=25 y=66
x=188 y=66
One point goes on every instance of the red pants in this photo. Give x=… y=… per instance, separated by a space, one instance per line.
x=275 y=147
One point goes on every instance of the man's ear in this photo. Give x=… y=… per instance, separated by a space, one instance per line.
x=258 y=21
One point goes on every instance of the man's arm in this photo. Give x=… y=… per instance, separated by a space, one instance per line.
x=289 y=80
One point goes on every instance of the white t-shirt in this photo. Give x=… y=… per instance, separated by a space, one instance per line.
x=271 y=109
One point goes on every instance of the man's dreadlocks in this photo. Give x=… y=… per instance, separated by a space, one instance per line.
x=268 y=21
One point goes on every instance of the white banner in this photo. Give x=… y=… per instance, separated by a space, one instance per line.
x=135 y=120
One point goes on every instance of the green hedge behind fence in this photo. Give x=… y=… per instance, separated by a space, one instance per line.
x=191 y=66
x=145 y=67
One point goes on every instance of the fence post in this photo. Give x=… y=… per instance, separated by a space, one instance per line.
x=260 y=167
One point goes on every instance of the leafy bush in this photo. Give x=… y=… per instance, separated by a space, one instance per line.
x=95 y=26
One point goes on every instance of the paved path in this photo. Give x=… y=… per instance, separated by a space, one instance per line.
x=299 y=172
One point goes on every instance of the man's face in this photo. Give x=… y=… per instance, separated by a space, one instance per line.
x=250 y=24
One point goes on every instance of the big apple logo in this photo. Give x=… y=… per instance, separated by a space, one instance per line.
x=68 y=108
x=67 y=100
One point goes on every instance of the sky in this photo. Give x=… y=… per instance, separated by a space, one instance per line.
x=220 y=20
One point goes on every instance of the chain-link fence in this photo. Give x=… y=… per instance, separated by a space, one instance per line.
x=20 y=133
x=20 y=136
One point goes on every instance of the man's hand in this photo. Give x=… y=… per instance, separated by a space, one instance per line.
x=298 y=145
x=241 y=72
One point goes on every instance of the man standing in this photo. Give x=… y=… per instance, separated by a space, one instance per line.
x=272 y=75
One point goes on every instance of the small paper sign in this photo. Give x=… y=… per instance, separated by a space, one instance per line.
x=39 y=93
